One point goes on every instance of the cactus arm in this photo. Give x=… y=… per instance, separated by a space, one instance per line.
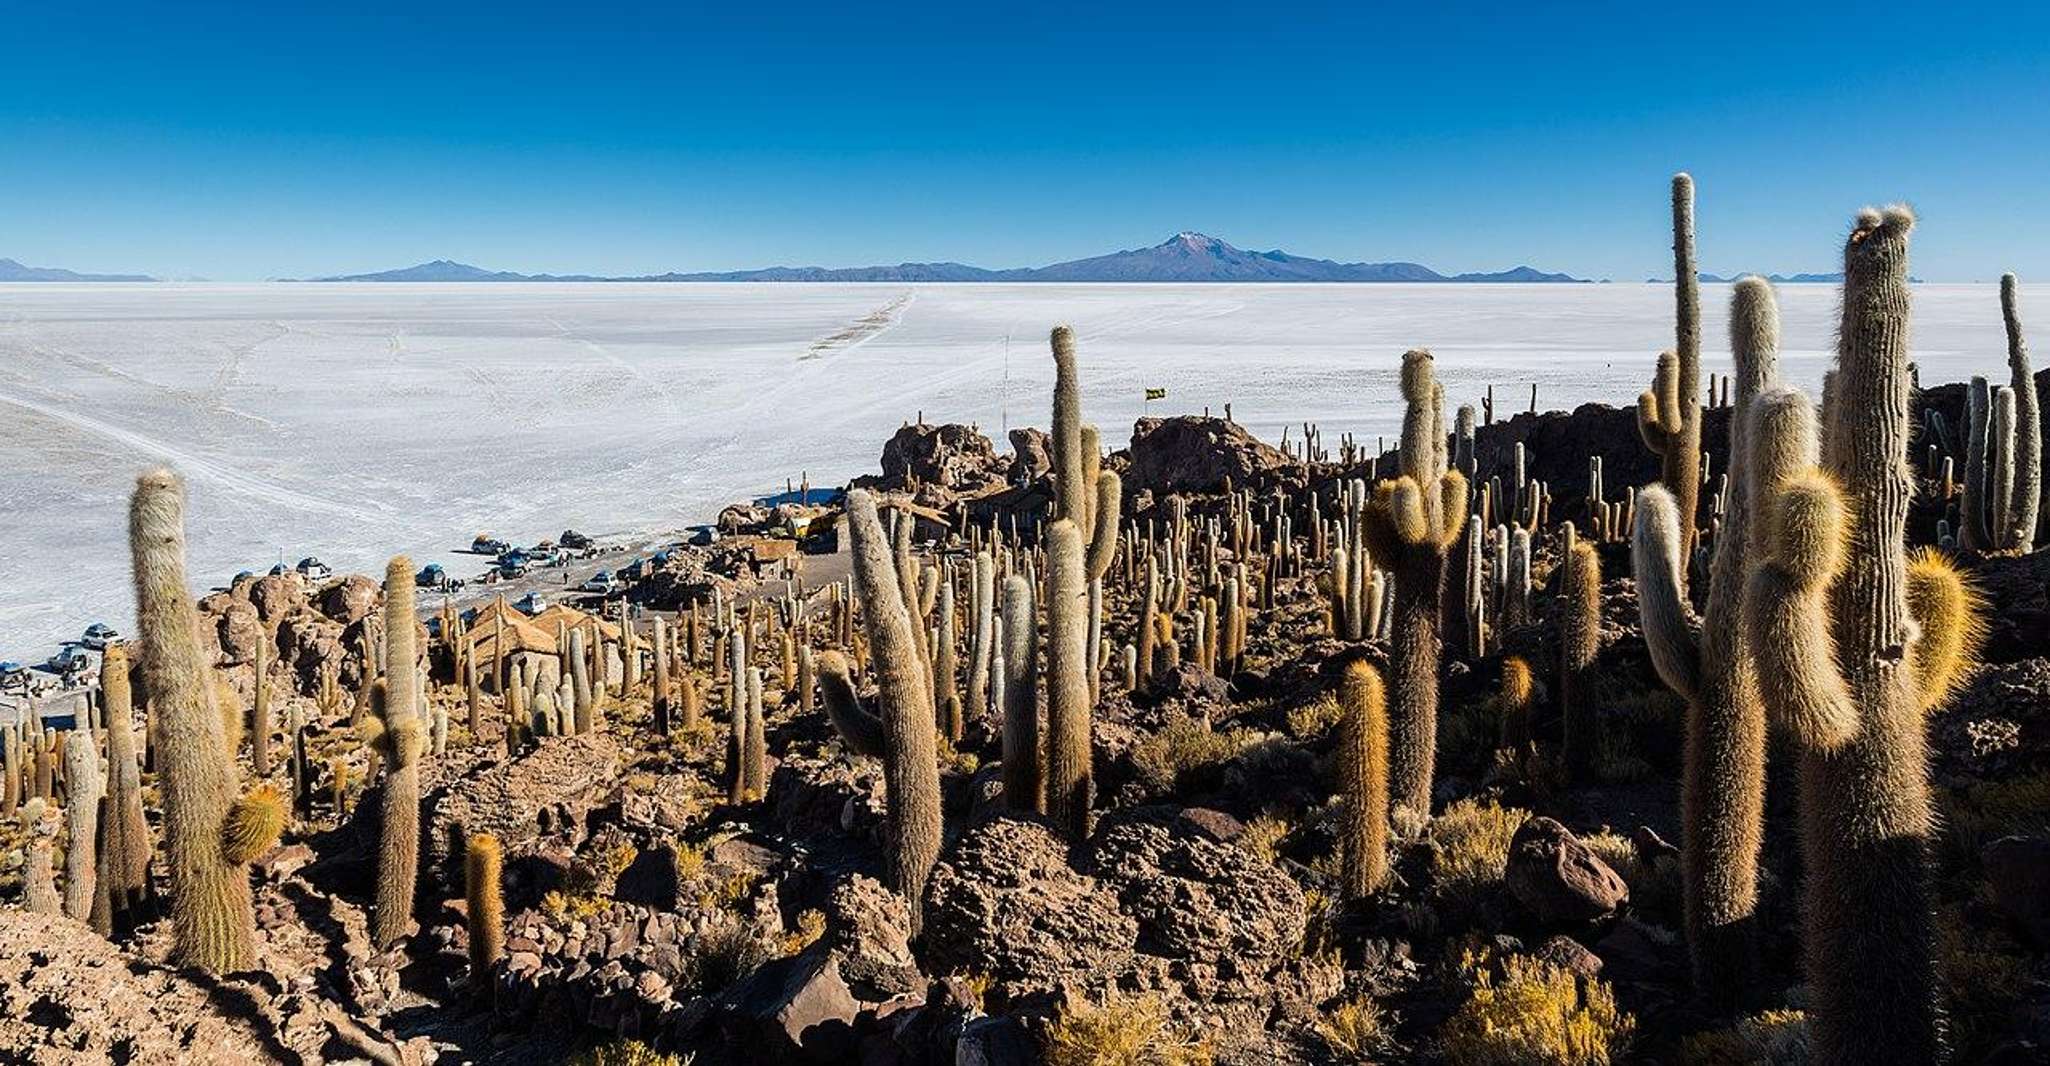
x=1103 y=538
x=1950 y=625
x=859 y=729
x=1671 y=630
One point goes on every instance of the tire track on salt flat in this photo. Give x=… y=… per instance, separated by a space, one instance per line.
x=197 y=466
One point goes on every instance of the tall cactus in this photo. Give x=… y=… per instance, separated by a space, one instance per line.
x=482 y=857
x=82 y=786
x=1853 y=696
x=1070 y=785
x=1580 y=631
x=210 y=905
x=1669 y=416
x=2025 y=508
x=1708 y=662
x=911 y=778
x=403 y=740
x=1363 y=766
x=1412 y=524
x=946 y=665
x=1975 y=531
x=125 y=854
x=1023 y=759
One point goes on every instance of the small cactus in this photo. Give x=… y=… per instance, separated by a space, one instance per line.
x=486 y=912
x=82 y=799
x=1363 y=765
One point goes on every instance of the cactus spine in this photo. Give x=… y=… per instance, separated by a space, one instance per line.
x=1708 y=662
x=481 y=861
x=210 y=906
x=1837 y=536
x=911 y=776
x=398 y=849
x=1412 y=523
x=1364 y=765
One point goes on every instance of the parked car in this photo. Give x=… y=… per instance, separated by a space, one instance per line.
x=600 y=583
x=431 y=576
x=531 y=604
x=280 y=570
x=69 y=662
x=12 y=675
x=574 y=540
x=313 y=569
x=511 y=565
x=98 y=636
x=486 y=544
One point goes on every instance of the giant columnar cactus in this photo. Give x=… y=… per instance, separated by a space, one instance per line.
x=1975 y=531
x=911 y=777
x=125 y=854
x=2026 y=497
x=580 y=680
x=482 y=856
x=1580 y=633
x=946 y=666
x=1070 y=786
x=754 y=767
x=210 y=905
x=1708 y=662
x=402 y=741
x=2000 y=477
x=259 y=711
x=1023 y=757
x=1073 y=498
x=1363 y=764
x=662 y=708
x=1669 y=416
x=1411 y=524
x=982 y=598
x=82 y=787
x=1847 y=665
x=2029 y=498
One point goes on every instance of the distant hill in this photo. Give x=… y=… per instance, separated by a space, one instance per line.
x=13 y=271
x=1776 y=279
x=1184 y=257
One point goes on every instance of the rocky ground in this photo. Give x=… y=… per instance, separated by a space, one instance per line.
x=1198 y=922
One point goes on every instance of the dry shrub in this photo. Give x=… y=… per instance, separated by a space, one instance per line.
x=1774 y=1038
x=1470 y=845
x=1535 y=1014
x=1353 y=1030
x=1121 y=1031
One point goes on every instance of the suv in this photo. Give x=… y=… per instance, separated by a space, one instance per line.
x=431 y=576
x=313 y=569
x=486 y=544
x=600 y=583
x=98 y=636
x=574 y=540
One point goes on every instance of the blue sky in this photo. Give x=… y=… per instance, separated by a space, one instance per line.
x=193 y=140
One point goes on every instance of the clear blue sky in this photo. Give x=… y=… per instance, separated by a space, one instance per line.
x=185 y=140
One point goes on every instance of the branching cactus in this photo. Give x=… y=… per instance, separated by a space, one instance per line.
x=1669 y=416
x=401 y=744
x=1363 y=764
x=1412 y=524
x=911 y=777
x=1849 y=668
x=1708 y=662
x=210 y=905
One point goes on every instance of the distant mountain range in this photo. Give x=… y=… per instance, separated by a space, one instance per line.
x=13 y=271
x=1184 y=257
x=1776 y=279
